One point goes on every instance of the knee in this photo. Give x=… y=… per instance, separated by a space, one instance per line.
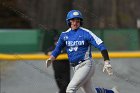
x=70 y=90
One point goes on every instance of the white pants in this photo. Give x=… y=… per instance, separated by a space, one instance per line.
x=82 y=78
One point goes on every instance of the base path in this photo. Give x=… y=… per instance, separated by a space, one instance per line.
x=32 y=76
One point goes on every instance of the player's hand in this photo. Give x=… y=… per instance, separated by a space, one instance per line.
x=107 y=68
x=48 y=62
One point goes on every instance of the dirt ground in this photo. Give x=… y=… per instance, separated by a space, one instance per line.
x=33 y=77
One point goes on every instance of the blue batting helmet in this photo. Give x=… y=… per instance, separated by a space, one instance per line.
x=74 y=14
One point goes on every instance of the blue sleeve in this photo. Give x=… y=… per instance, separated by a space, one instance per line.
x=102 y=47
x=59 y=46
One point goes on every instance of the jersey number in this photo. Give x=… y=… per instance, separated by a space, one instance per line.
x=73 y=49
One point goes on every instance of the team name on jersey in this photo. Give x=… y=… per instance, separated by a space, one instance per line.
x=74 y=43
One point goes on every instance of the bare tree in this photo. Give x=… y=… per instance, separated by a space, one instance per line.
x=47 y=14
x=51 y=14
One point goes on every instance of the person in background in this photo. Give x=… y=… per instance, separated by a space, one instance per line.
x=61 y=68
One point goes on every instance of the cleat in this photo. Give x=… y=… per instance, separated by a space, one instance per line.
x=115 y=90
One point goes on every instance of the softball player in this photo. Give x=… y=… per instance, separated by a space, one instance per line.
x=78 y=41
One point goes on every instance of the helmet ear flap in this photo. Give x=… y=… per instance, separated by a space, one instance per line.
x=81 y=23
x=69 y=24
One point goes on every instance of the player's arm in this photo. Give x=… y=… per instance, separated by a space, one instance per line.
x=107 y=66
x=59 y=46
x=98 y=43
x=104 y=51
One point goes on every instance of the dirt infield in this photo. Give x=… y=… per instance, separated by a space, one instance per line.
x=33 y=77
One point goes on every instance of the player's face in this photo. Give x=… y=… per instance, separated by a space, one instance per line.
x=75 y=23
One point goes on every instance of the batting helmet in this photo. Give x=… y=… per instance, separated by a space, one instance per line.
x=74 y=14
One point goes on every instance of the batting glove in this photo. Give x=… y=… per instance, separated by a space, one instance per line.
x=48 y=62
x=107 y=68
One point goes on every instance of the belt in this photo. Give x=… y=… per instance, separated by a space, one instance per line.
x=76 y=63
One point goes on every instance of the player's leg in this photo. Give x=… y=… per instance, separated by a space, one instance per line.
x=61 y=74
x=65 y=77
x=83 y=72
x=87 y=87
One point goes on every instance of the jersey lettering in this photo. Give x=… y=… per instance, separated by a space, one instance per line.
x=74 y=43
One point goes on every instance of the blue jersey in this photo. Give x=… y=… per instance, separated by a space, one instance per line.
x=78 y=44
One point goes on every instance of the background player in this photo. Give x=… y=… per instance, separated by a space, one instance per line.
x=78 y=41
x=61 y=67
